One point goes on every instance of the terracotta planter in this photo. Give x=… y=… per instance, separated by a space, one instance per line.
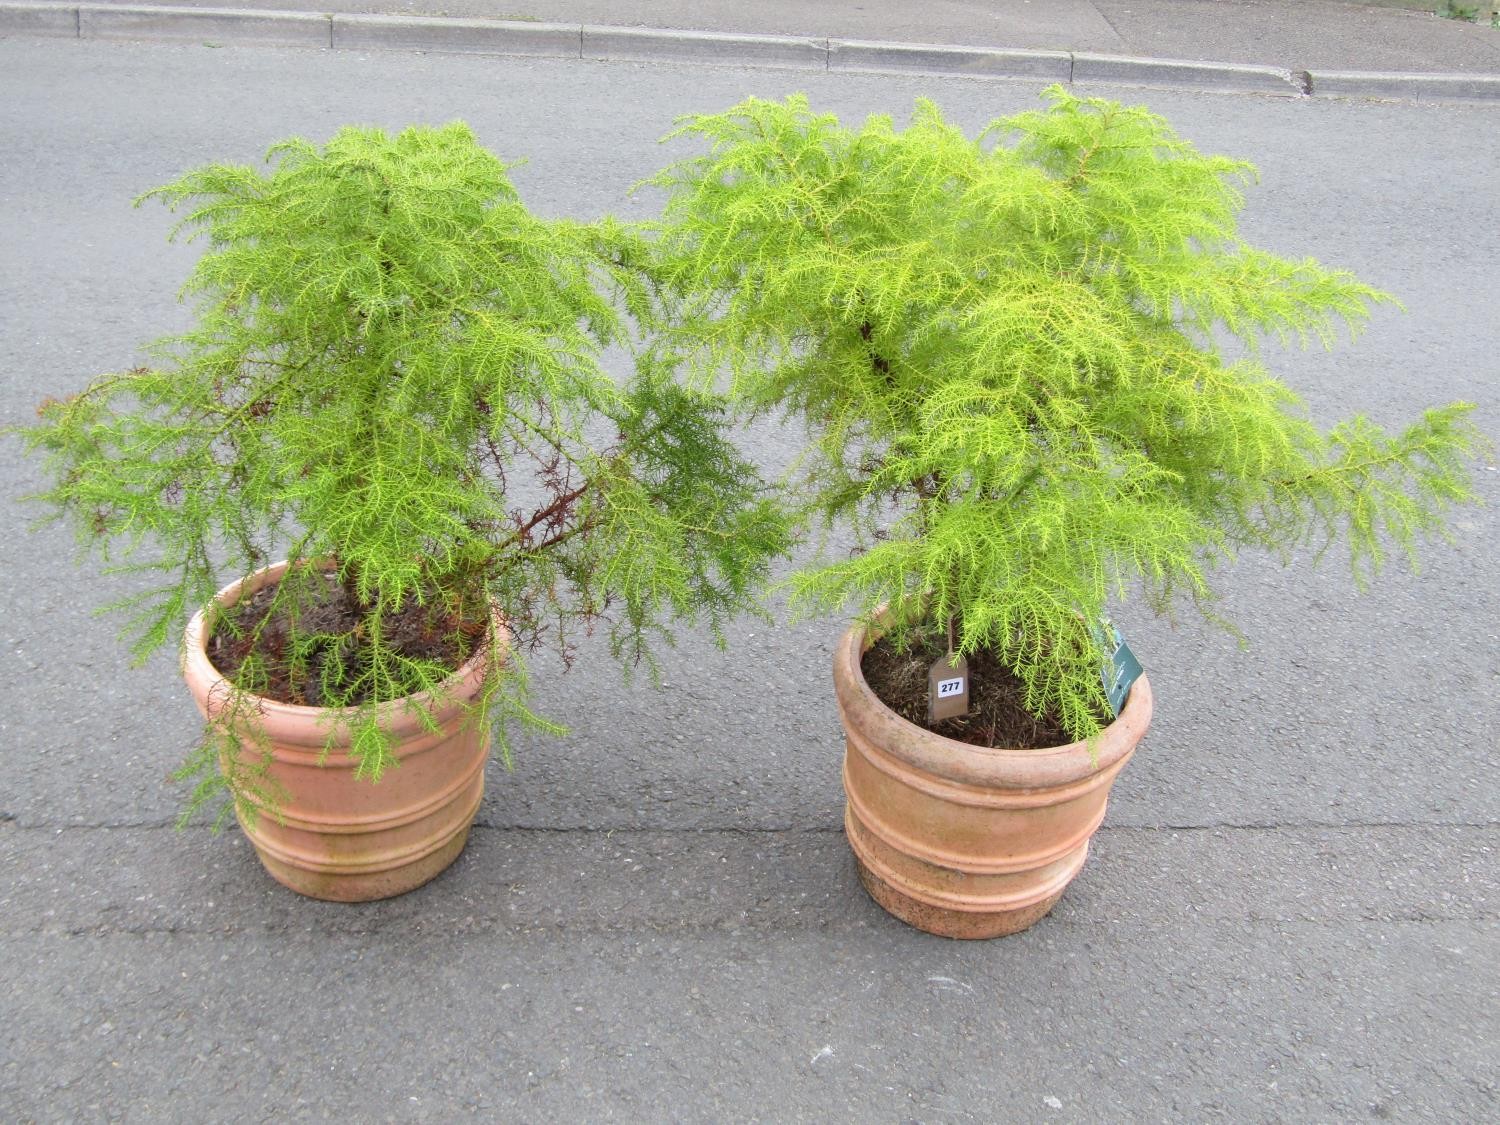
x=337 y=838
x=967 y=841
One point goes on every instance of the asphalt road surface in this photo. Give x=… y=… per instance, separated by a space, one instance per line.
x=1289 y=915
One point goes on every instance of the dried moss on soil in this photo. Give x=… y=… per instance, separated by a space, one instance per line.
x=327 y=613
x=995 y=718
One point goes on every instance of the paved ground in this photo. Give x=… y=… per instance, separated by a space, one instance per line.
x=1295 y=34
x=1290 y=915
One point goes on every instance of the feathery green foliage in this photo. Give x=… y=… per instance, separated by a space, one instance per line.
x=395 y=369
x=1007 y=352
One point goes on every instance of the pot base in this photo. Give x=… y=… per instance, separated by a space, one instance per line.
x=961 y=924
x=365 y=886
x=981 y=921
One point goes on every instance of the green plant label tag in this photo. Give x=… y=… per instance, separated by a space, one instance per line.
x=1120 y=668
x=947 y=688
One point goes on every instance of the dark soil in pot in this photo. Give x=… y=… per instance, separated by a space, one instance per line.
x=301 y=653
x=995 y=718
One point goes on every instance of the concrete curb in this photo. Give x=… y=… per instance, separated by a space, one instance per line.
x=39 y=19
x=481 y=37
x=1180 y=74
x=583 y=41
x=216 y=25
x=653 y=44
x=861 y=57
x=1406 y=87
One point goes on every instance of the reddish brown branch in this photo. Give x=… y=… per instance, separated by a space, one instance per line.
x=552 y=515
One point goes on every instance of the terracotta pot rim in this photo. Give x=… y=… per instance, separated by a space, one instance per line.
x=201 y=672
x=970 y=764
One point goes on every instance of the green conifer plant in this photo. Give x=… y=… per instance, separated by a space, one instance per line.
x=395 y=371
x=1030 y=367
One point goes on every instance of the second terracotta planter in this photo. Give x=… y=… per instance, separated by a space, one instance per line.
x=962 y=840
x=334 y=837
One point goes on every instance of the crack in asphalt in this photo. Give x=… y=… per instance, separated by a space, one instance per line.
x=770 y=922
x=1109 y=23
x=793 y=830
